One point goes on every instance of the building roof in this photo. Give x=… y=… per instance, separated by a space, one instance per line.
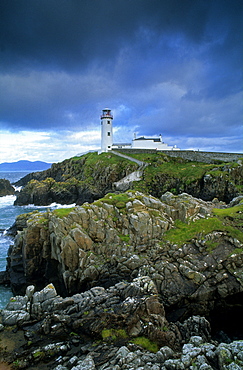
x=121 y=144
x=148 y=138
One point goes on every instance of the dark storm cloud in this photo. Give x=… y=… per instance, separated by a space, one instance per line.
x=174 y=63
x=69 y=34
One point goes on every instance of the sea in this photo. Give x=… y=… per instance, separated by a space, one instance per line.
x=8 y=213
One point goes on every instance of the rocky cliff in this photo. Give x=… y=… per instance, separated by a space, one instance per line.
x=74 y=180
x=204 y=181
x=90 y=177
x=122 y=327
x=132 y=280
x=124 y=276
x=188 y=247
x=6 y=188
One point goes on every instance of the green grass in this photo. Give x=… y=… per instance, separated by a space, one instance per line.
x=184 y=232
x=173 y=166
x=211 y=245
x=234 y=232
x=227 y=220
x=235 y=211
x=172 y=175
x=237 y=251
x=43 y=221
x=159 y=164
x=108 y=163
x=113 y=334
x=38 y=354
x=91 y=159
x=146 y=344
x=164 y=173
x=124 y=238
x=63 y=212
x=181 y=170
x=117 y=200
x=232 y=218
x=175 y=174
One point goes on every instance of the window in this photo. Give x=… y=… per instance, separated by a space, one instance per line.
x=108 y=122
x=108 y=133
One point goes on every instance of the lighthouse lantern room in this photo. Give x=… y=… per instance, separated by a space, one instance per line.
x=106 y=130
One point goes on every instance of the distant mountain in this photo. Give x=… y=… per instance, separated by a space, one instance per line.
x=25 y=166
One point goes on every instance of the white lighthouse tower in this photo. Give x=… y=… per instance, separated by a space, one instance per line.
x=106 y=130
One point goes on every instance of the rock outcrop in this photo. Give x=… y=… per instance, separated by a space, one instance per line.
x=133 y=309
x=76 y=180
x=125 y=283
x=125 y=236
x=122 y=327
x=6 y=188
x=223 y=183
x=90 y=177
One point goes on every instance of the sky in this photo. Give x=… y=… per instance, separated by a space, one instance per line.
x=162 y=67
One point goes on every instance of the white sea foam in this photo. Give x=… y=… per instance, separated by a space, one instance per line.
x=17 y=188
x=8 y=200
x=50 y=206
x=57 y=205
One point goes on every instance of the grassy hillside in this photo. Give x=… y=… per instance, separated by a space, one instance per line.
x=227 y=220
x=178 y=175
x=95 y=174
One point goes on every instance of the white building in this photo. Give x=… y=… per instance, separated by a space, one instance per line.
x=151 y=143
x=106 y=130
x=137 y=143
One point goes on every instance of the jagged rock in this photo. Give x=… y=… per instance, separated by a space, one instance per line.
x=122 y=307
x=121 y=237
x=211 y=186
x=195 y=326
x=107 y=272
x=186 y=208
x=100 y=310
x=6 y=188
x=129 y=308
x=4 y=278
x=86 y=364
x=71 y=181
x=236 y=201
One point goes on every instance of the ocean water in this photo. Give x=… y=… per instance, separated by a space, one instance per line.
x=8 y=213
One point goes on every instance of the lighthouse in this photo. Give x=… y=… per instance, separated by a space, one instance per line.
x=106 y=130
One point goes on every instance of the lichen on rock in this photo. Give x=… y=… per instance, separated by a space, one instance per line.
x=124 y=236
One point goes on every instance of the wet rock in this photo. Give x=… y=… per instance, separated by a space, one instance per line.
x=137 y=311
x=6 y=188
x=121 y=237
x=116 y=311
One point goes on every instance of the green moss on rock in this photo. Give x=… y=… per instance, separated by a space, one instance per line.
x=183 y=232
x=146 y=344
x=63 y=212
